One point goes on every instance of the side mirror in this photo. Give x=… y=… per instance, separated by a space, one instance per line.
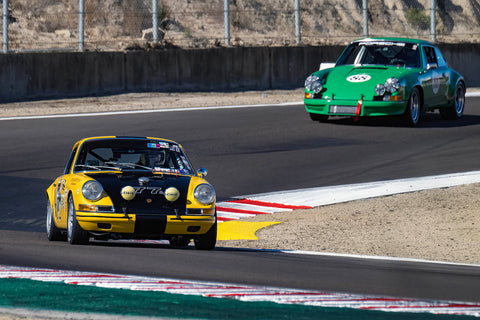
x=432 y=66
x=202 y=172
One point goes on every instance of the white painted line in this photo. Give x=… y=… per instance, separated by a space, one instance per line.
x=115 y=113
x=343 y=193
x=381 y=258
x=473 y=94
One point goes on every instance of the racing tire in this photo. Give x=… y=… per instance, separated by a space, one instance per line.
x=318 y=117
x=179 y=241
x=75 y=233
x=53 y=233
x=414 y=108
x=455 y=112
x=208 y=240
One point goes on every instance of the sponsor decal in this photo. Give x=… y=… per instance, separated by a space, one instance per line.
x=160 y=145
x=128 y=193
x=359 y=78
x=382 y=43
x=152 y=190
x=175 y=148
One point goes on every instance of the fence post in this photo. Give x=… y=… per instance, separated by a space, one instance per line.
x=155 y=20
x=5 y=26
x=433 y=22
x=81 y=27
x=365 y=17
x=298 y=35
x=226 y=19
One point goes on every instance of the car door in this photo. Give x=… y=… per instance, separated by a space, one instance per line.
x=444 y=75
x=433 y=78
x=61 y=193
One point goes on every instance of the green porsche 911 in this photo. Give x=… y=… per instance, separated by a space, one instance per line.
x=385 y=77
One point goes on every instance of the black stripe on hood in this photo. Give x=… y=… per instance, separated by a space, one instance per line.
x=149 y=199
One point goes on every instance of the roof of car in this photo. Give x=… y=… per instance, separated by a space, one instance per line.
x=122 y=137
x=417 y=41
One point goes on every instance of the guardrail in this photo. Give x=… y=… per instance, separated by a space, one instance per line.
x=27 y=76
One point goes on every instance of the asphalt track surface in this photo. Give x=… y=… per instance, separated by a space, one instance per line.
x=247 y=151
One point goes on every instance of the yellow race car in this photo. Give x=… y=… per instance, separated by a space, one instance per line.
x=131 y=188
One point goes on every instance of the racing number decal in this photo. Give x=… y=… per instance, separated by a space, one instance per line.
x=60 y=197
x=435 y=82
x=359 y=78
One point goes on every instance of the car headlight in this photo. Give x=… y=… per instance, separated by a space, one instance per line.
x=204 y=193
x=92 y=190
x=380 y=89
x=392 y=85
x=312 y=83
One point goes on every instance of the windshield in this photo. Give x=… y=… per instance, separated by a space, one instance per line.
x=381 y=53
x=133 y=154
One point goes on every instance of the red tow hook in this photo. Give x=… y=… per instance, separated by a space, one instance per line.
x=359 y=109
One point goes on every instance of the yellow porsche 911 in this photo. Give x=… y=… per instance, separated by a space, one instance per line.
x=131 y=188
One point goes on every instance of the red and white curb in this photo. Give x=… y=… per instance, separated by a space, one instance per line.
x=244 y=208
x=265 y=203
x=242 y=292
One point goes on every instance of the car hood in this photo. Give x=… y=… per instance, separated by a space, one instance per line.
x=149 y=197
x=357 y=82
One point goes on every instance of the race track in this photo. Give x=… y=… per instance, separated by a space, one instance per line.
x=247 y=151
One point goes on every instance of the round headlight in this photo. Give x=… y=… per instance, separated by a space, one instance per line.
x=92 y=190
x=392 y=85
x=312 y=83
x=380 y=89
x=204 y=193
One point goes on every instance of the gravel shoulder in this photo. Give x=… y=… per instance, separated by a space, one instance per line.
x=440 y=224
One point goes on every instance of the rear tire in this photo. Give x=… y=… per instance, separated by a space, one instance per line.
x=455 y=112
x=53 y=233
x=75 y=233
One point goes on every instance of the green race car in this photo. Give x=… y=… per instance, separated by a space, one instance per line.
x=385 y=77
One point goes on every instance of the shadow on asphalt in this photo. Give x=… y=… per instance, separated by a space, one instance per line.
x=429 y=120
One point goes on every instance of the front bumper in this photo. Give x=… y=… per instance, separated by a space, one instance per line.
x=141 y=225
x=367 y=108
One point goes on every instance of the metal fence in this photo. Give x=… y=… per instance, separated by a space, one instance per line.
x=33 y=25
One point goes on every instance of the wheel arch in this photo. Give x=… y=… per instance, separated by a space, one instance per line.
x=52 y=207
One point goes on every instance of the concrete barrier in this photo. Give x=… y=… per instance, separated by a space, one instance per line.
x=30 y=76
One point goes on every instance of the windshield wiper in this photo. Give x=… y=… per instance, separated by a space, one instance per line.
x=87 y=166
x=128 y=165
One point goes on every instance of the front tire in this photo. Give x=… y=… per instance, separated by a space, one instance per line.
x=53 y=233
x=208 y=240
x=456 y=111
x=75 y=233
x=414 y=108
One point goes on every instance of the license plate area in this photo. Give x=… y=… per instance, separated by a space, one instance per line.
x=343 y=109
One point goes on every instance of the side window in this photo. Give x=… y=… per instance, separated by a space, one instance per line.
x=430 y=54
x=70 y=161
x=440 y=60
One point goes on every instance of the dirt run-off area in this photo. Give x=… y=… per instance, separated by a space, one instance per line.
x=439 y=224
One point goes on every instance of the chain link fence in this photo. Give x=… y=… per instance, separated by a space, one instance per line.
x=107 y=25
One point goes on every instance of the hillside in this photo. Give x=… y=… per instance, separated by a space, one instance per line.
x=116 y=24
